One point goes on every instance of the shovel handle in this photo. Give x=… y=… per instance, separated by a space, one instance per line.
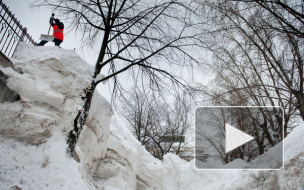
x=51 y=21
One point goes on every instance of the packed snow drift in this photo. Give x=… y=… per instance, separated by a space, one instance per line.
x=33 y=134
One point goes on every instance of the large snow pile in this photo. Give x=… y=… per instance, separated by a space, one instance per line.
x=33 y=130
x=290 y=177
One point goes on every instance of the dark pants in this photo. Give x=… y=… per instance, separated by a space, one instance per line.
x=56 y=41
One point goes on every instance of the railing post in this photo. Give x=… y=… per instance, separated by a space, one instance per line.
x=24 y=31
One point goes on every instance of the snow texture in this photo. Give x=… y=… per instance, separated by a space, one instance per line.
x=33 y=134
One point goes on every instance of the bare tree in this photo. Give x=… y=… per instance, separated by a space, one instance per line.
x=159 y=126
x=286 y=20
x=286 y=16
x=140 y=36
x=257 y=61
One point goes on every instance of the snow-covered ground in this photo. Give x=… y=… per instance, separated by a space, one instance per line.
x=33 y=134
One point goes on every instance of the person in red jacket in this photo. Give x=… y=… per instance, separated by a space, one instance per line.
x=57 y=32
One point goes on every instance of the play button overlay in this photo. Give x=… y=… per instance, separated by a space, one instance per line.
x=235 y=138
x=239 y=138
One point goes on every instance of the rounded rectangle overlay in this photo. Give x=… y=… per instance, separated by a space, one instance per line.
x=239 y=137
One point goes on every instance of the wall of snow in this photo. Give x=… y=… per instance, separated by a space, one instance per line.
x=50 y=82
x=49 y=93
x=33 y=129
x=33 y=134
x=290 y=177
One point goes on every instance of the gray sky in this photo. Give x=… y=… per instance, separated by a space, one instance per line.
x=37 y=22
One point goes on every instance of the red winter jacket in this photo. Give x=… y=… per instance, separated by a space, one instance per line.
x=57 y=32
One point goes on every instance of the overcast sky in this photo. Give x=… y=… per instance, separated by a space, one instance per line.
x=37 y=22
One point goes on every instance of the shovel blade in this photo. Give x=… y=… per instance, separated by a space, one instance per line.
x=45 y=37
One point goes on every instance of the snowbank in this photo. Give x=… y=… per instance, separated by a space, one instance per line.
x=39 y=167
x=290 y=177
x=33 y=134
x=33 y=141
x=50 y=82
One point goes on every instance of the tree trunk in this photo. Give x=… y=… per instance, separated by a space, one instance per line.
x=300 y=106
x=80 y=120
x=74 y=134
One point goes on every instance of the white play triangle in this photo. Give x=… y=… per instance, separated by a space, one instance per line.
x=235 y=138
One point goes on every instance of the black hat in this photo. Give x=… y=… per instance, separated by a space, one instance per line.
x=57 y=21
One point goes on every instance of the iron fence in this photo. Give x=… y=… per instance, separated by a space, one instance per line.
x=11 y=32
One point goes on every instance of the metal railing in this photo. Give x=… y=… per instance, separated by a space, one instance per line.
x=11 y=32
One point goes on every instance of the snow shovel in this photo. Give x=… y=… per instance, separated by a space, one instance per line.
x=48 y=37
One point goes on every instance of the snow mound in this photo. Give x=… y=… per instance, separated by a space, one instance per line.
x=290 y=177
x=50 y=82
x=38 y=167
